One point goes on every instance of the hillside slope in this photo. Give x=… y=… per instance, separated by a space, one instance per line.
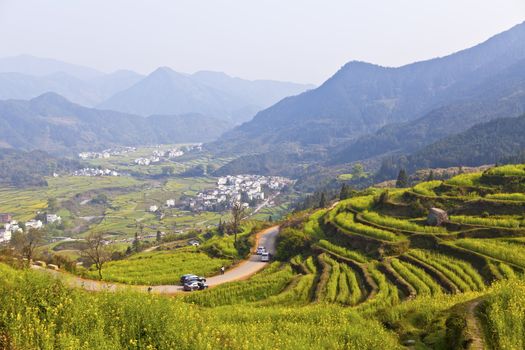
x=361 y=97
x=486 y=143
x=52 y=123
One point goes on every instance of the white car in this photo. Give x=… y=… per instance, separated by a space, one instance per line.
x=261 y=250
x=265 y=257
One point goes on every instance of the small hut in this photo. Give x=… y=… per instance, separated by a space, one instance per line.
x=437 y=217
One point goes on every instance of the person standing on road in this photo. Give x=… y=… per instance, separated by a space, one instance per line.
x=222 y=270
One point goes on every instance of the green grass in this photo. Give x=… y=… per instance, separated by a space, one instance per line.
x=164 y=267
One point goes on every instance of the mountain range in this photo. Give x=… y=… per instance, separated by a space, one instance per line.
x=164 y=91
x=52 y=123
x=367 y=111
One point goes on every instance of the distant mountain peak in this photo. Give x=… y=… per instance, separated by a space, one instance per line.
x=51 y=98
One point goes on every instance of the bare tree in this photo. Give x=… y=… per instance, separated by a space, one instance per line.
x=25 y=243
x=97 y=251
x=238 y=213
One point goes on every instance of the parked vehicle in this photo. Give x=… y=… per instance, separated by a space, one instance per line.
x=194 y=285
x=260 y=250
x=265 y=257
x=191 y=278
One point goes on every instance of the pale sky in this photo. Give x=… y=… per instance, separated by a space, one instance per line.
x=294 y=40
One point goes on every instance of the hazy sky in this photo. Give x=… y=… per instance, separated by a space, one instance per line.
x=296 y=40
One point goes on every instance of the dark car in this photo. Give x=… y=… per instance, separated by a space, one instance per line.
x=194 y=285
x=191 y=278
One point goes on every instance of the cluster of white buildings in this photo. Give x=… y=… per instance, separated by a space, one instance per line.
x=95 y=172
x=160 y=155
x=105 y=154
x=247 y=189
x=147 y=161
x=8 y=226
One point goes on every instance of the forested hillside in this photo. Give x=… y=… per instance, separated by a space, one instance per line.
x=52 y=123
x=23 y=169
x=361 y=98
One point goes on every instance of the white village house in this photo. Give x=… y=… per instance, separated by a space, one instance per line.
x=36 y=224
x=52 y=218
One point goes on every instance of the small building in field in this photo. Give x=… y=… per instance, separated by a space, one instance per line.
x=5 y=218
x=437 y=217
x=52 y=218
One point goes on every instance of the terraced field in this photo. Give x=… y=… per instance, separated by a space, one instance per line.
x=375 y=257
x=373 y=253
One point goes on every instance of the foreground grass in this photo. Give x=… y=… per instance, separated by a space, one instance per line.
x=38 y=312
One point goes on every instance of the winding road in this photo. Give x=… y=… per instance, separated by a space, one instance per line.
x=243 y=270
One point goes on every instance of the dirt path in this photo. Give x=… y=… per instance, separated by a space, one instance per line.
x=241 y=271
x=474 y=327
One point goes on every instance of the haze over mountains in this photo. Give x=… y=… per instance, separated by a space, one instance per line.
x=364 y=112
x=415 y=105
x=164 y=91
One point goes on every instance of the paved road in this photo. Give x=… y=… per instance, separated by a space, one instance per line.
x=241 y=271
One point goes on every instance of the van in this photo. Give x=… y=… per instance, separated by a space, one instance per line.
x=265 y=257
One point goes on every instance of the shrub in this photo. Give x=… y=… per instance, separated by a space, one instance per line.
x=291 y=242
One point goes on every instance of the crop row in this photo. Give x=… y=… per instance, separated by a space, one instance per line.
x=341 y=286
x=459 y=272
x=520 y=197
x=387 y=293
x=503 y=251
x=346 y=221
x=419 y=279
x=508 y=170
x=490 y=222
x=346 y=253
x=400 y=224
x=426 y=188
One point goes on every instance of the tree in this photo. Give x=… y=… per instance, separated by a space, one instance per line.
x=430 y=176
x=402 y=179
x=52 y=204
x=346 y=192
x=25 y=243
x=322 y=201
x=221 y=227
x=168 y=170
x=97 y=251
x=136 y=243
x=158 y=236
x=358 y=171
x=270 y=219
x=237 y=212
